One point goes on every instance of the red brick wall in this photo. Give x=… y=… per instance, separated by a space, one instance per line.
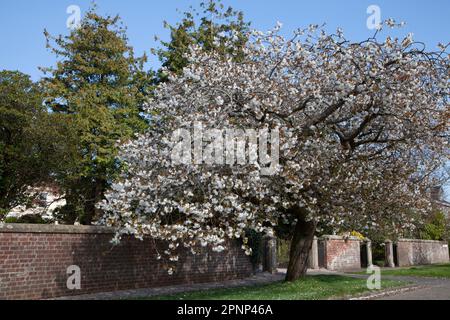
x=412 y=252
x=34 y=261
x=340 y=254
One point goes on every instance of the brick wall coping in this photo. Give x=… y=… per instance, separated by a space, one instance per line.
x=421 y=241
x=55 y=229
x=340 y=238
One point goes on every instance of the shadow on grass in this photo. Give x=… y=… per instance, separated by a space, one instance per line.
x=311 y=288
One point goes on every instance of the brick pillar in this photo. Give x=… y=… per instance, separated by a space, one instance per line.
x=389 y=254
x=369 y=253
x=313 y=259
x=270 y=263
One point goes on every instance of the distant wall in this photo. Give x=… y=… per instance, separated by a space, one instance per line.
x=339 y=253
x=421 y=252
x=34 y=261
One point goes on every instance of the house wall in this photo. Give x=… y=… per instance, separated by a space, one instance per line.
x=34 y=261
x=421 y=252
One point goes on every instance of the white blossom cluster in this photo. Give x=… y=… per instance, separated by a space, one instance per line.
x=362 y=128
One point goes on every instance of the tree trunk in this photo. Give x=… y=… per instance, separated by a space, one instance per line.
x=300 y=247
x=90 y=210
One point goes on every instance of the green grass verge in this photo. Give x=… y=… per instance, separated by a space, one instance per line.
x=433 y=271
x=311 y=288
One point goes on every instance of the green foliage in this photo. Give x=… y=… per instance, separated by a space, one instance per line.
x=378 y=253
x=73 y=210
x=100 y=87
x=28 y=219
x=201 y=28
x=255 y=242
x=436 y=228
x=283 y=253
x=3 y=213
x=25 y=148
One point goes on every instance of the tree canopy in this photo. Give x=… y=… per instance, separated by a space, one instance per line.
x=20 y=106
x=214 y=27
x=101 y=85
x=357 y=129
x=33 y=143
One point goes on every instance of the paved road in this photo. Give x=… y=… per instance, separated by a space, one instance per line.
x=419 y=288
x=430 y=289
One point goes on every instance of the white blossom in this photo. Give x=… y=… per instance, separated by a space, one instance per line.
x=363 y=126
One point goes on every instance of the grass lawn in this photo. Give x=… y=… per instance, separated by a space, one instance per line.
x=311 y=288
x=435 y=271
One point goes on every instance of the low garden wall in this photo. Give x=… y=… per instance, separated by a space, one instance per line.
x=34 y=262
x=421 y=252
x=338 y=253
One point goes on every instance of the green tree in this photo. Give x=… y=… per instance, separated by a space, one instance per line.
x=213 y=22
x=100 y=84
x=436 y=228
x=25 y=144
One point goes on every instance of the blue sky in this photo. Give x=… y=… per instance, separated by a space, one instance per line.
x=22 y=22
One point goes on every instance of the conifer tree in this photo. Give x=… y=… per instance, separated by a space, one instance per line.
x=100 y=83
